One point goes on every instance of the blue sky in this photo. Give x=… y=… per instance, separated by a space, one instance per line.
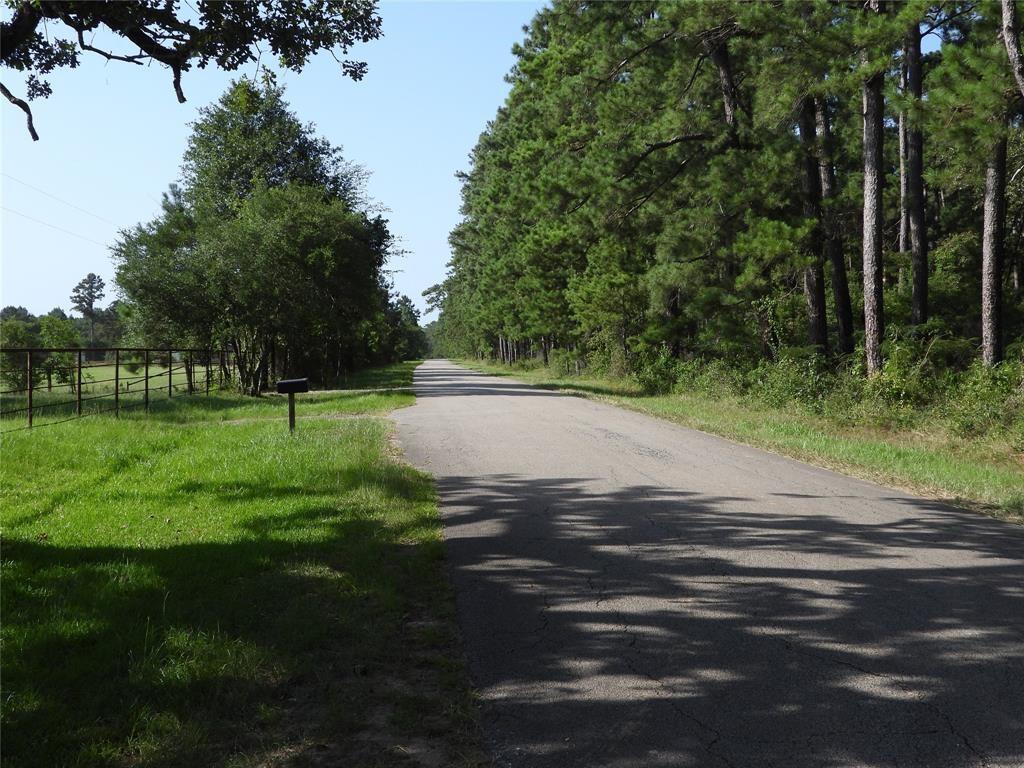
x=112 y=136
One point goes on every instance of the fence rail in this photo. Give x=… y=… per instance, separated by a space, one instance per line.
x=52 y=385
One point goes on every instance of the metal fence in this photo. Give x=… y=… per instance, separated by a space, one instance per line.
x=44 y=386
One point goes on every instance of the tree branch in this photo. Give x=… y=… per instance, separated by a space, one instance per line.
x=175 y=58
x=657 y=41
x=693 y=77
x=105 y=54
x=637 y=202
x=24 y=107
x=946 y=19
x=650 y=149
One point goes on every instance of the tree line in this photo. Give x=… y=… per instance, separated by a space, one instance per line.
x=267 y=248
x=748 y=181
x=95 y=328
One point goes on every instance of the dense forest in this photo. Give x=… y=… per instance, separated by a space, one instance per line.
x=822 y=187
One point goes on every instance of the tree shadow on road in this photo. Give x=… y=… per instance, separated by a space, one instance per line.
x=648 y=626
x=456 y=381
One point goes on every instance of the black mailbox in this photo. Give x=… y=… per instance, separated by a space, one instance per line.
x=291 y=386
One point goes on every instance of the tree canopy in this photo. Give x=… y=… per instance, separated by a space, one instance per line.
x=266 y=248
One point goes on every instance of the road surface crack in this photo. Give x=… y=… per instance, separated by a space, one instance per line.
x=894 y=680
x=636 y=669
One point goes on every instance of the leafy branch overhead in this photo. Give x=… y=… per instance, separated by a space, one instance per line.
x=179 y=36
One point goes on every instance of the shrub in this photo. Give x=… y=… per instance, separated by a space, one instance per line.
x=919 y=383
x=798 y=376
x=131 y=364
x=565 y=362
x=951 y=353
x=988 y=399
x=903 y=380
x=847 y=401
x=656 y=371
x=606 y=356
x=715 y=378
x=1015 y=351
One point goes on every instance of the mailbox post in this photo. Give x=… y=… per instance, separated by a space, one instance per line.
x=290 y=387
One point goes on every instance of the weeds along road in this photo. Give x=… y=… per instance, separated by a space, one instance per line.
x=633 y=593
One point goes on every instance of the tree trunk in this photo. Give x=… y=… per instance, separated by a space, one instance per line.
x=874 y=316
x=673 y=310
x=717 y=48
x=814 y=273
x=769 y=339
x=917 y=226
x=1015 y=277
x=251 y=357
x=241 y=364
x=904 y=242
x=992 y=256
x=833 y=235
x=1012 y=42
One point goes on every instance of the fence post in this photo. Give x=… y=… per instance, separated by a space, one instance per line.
x=28 y=371
x=78 y=374
x=189 y=373
x=170 y=374
x=117 y=383
x=145 y=373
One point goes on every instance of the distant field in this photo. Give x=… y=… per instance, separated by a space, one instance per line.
x=197 y=587
x=59 y=403
x=54 y=400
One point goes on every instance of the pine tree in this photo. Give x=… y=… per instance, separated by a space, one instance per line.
x=84 y=297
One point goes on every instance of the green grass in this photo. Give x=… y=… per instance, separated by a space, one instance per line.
x=982 y=474
x=393 y=376
x=197 y=587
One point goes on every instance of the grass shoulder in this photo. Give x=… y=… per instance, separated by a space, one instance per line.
x=985 y=474
x=197 y=587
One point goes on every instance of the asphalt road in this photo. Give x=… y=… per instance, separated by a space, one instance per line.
x=633 y=593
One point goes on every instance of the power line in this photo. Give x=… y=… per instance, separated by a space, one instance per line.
x=53 y=226
x=59 y=200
